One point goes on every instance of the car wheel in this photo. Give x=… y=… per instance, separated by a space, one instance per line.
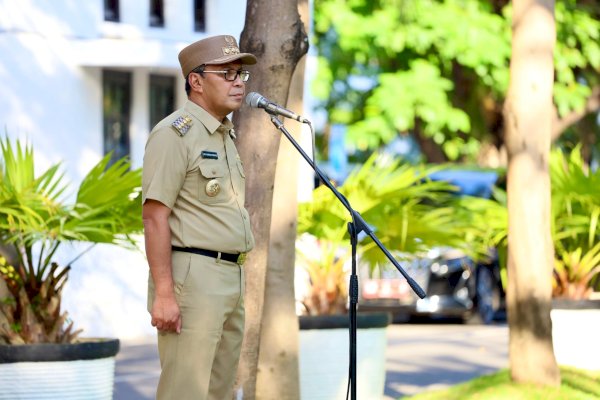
x=488 y=295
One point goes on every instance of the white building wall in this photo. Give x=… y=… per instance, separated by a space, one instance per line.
x=51 y=58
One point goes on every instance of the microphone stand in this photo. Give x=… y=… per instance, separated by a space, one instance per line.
x=355 y=227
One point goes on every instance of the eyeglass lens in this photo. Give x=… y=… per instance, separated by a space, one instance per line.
x=231 y=74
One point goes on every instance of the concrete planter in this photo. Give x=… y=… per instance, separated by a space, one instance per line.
x=324 y=356
x=575 y=333
x=77 y=371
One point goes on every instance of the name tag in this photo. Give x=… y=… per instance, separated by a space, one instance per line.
x=211 y=155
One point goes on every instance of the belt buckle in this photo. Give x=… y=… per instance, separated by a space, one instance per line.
x=241 y=258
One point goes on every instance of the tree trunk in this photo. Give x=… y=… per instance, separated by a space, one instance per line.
x=278 y=375
x=432 y=151
x=528 y=113
x=278 y=369
x=273 y=32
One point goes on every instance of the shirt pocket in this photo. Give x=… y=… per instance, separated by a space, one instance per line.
x=215 y=183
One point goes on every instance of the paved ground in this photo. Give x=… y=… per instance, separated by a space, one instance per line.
x=419 y=357
x=433 y=356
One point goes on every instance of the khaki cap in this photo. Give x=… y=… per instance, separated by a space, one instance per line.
x=217 y=50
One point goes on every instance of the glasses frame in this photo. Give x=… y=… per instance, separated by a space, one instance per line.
x=243 y=74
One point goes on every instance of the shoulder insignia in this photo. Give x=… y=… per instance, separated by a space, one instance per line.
x=232 y=134
x=182 y=124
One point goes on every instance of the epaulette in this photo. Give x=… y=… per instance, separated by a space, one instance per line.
x=182 y=124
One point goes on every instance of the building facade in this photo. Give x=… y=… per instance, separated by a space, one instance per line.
x=82 y=78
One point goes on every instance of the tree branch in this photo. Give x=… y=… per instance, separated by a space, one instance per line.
x=561 y=124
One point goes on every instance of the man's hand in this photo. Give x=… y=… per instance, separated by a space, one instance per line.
x=166 y=316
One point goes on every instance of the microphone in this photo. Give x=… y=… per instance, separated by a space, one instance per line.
x=256 y=100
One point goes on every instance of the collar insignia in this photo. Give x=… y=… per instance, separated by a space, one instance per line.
x=182 y=124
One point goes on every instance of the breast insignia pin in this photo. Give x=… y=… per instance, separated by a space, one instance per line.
x=212 y=188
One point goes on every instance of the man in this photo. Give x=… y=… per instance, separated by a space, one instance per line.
x=197 y=231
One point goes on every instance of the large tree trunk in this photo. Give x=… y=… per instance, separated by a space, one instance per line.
x=528 y=113
x=273 y=32
x=278 y=373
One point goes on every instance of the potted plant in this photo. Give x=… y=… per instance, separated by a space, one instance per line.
x=576 y=231
x=37 y=339
x=398 y=200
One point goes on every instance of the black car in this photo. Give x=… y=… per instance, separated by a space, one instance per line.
x=455 y=287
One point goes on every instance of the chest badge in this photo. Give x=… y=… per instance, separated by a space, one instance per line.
x=213 y=188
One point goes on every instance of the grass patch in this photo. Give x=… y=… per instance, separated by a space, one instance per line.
x=576 y=385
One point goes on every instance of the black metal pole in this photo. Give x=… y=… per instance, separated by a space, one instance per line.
x=353 y=294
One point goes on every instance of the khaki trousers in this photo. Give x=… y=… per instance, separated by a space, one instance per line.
x=201 y=362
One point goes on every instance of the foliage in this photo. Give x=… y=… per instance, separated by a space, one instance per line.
x=577 y=54
x=485 y=224
x=388 y=67
x=409 y=213
x=324 y=261
x=575 y=191
x=35 y=220
x=576 y=385
x=576 y=227
x=407 y=210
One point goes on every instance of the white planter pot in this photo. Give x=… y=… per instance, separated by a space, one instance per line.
x=82 y=371
x=324 y=359
x=576 y=334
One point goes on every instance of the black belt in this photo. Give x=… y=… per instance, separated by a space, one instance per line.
x=235 y=258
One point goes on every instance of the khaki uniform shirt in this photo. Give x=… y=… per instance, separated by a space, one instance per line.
x=192 y=166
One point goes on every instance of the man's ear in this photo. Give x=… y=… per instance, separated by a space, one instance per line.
x=195 y=82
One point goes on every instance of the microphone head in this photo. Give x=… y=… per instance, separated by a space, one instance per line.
x=253 y=98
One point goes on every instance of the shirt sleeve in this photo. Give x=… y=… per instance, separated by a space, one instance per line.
x=164 y=167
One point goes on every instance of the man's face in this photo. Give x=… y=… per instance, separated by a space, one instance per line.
x=221 y=96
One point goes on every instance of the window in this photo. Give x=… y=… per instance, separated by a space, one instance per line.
x=111 y=10
x=199 y=16
x=116 y=100
x=162 y=97
x=157 y=15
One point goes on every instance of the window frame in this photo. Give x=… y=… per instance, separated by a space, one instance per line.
x=199 y=15
x=112 y=11
x=157 y=14
x=163 y=83
x=119 y=83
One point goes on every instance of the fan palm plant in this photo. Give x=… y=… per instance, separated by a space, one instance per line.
x=576 y=224
x=35 y=219
x=484 y=225
x=325 y=263
x=409 y=213
x=575 y=191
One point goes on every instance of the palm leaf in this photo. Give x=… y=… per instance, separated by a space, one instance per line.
x=33 y=212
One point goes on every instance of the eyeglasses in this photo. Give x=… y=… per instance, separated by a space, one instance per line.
x=232 y=74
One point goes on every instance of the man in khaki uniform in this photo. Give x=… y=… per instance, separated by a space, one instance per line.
x=196 y=229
